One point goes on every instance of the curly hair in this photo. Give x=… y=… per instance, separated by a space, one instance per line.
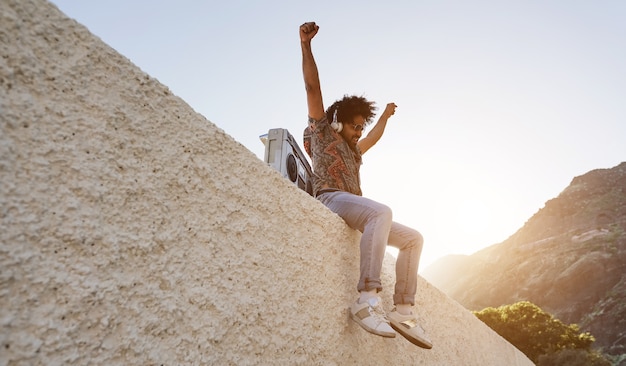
x=351 y=106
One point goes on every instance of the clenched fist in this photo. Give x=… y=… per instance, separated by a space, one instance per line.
x=308 y=31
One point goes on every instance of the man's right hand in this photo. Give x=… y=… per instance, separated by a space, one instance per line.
x=308 y=31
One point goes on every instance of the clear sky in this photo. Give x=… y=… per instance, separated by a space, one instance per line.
x=500 y=103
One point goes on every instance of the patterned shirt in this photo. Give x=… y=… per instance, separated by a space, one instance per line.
x=335 y=165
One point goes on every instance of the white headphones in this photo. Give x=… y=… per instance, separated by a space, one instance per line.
x=337 y=126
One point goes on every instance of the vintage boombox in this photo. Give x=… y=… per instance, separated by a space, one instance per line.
x=283 y=154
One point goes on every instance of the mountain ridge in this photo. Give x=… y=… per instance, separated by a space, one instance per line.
x=568 y=258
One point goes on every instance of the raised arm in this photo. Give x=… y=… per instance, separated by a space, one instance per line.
x=377 y=131
x=309 y=70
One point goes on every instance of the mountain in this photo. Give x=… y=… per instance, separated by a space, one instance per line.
x=569 y=258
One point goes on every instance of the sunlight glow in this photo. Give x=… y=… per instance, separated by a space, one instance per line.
x=473 y=217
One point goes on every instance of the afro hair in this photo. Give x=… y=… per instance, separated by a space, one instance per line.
x=351 y=106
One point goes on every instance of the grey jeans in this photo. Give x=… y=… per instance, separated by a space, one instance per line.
x=374 y=220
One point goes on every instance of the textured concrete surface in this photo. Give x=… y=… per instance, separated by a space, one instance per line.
x=135 y=232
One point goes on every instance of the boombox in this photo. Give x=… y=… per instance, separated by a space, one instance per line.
x=283 y=154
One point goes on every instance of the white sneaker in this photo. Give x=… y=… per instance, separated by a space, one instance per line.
x=410 y=329
x=371 y=316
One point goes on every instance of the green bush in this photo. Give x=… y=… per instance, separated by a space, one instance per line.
x=573 y=357
x=537 y=333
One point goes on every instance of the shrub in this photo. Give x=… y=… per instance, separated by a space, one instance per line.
x=573 y=357
x=535 y=332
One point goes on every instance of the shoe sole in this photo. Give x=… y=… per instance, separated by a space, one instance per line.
x=373 y=331
x=416 y=341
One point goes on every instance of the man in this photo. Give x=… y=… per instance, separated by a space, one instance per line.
x=333 y=140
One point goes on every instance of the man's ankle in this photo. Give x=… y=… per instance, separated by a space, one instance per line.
x=366 y=295
x=404 y=309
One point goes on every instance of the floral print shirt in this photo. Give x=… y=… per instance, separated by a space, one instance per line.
x=335 y=165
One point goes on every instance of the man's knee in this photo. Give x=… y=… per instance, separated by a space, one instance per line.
x=417 y=239
x=384 y=212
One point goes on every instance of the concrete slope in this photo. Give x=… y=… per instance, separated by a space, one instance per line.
x=135 y=232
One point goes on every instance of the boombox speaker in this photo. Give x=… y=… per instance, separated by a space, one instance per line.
x=283 y=154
